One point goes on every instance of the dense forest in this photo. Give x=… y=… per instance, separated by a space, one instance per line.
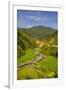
x=37 y=53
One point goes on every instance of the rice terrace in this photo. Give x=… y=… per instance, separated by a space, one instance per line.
x=37 y=44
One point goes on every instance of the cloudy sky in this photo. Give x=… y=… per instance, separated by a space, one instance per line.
x=28 y=18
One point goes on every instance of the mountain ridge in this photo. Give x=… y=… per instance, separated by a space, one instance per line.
x=38 y=32
x=40 y=26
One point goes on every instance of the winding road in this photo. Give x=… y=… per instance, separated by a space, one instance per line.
x=34 y=60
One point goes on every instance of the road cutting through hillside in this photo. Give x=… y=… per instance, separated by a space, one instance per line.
x=34 y=60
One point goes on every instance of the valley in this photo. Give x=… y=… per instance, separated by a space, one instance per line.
x=37 y=53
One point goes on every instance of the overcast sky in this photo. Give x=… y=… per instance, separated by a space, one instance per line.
x=28 y=18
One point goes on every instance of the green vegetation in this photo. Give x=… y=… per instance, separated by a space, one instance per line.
x=52 y=51
x=28 y=56
x=46 y=68
x=37 y=53
x=23 y=42
x=27 y=73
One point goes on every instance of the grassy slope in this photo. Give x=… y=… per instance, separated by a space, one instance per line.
x=46 y=68
x=29 y=55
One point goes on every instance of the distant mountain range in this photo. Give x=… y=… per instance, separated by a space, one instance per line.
x=38 y=32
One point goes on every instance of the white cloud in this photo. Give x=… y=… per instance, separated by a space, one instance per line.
x=36 y=18
x=31 y=17
x=29 y=26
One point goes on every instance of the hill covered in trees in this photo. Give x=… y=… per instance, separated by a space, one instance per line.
x=24 y=42
x=39 y=32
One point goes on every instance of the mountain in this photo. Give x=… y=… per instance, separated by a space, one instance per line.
x=38 y=32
